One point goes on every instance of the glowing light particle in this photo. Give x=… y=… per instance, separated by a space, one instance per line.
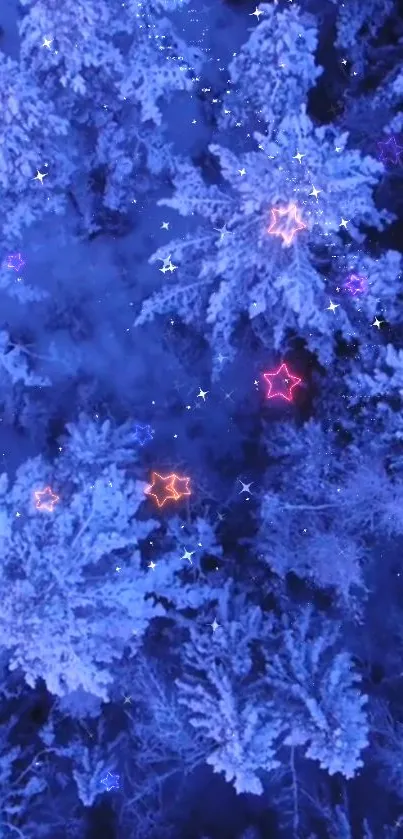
x=167 y=487
x=45 y=499
x=281 y=383
x=285 y=222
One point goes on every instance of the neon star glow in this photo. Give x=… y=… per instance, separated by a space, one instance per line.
x=355 y=284
x=143 y=433
x=167 y=487
x=281 y=383
x=285 y=222
x=45 y=499
x=111 y=781
x=390 y=151
x=15 y=260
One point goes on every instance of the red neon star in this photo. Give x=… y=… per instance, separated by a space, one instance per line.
x=167 y=487
x=280 y=382
x=286 y=230
x=45 y=499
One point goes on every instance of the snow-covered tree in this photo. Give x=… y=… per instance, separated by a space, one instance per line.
x=74 y=590
x=32 y=140
x=270 y=229
x=317 y=696
x=223 y=699
x=109 y=69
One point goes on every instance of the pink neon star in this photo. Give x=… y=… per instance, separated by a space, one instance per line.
x=280 y=382
x=293 y=223
x=15 y=260
x=45 y=499
x=355 y=284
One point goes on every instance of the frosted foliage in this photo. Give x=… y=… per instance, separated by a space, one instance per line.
x=249 y=271
x=15 y=366
x=275 y=69
x=81 y=36
x=323 y=709
x=355 y=18
x=90 y=445
x=131 y=61
x=29 y=139
x=66 y=613
x=222 y=701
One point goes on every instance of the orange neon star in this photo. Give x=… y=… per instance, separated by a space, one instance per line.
x=293 y=223
x=166 y=487
x=45 y=499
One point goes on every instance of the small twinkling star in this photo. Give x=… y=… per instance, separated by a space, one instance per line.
x=188 y=555
x=344 y=223
x=333 y=306
x=165 y=225
x=40 y=176
x=242 y=171
x=256 y=13
x=245 y=487
x=152 y=565
x=377 y=323
x=47 y=42
x=298 y=157
x=214 y=625
x=315 y=192
x=202 y=394
x=222 y=231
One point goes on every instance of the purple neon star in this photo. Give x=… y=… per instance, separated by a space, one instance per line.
x=389 y=150
x=15 y=260
x=355 y=284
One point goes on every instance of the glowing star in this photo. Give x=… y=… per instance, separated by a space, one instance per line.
x=281 y=383
x=292 y=224
x=40 y=176
x=332 y=307
x=188 y=555
x=111 y=781
x=15 y=260
x=167 y=487
x=256 y=13
x=355 y=284
x=143 y=433
x=45 y=499
x=389 y=151
x=181 y=486
x=47 y=42
x=377 y=323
